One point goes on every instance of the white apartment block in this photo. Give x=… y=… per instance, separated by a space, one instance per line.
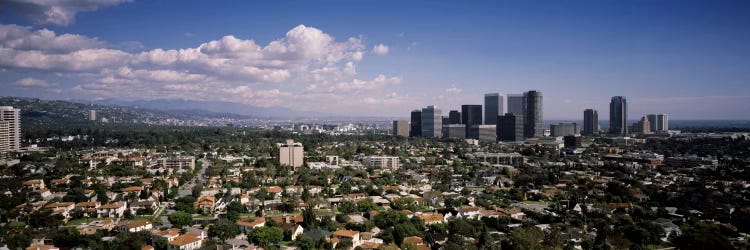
x=11 y=117
x=383 y=162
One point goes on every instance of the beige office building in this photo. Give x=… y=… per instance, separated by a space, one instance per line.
x=291 y=153
x=13 y=118
x=401 y=128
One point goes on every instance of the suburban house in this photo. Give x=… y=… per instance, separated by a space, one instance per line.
x=135 y=226
x=188 y=241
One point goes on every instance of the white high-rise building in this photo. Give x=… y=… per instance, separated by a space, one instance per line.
x=4 y=137
x=658 y=122
x=12 y=117
x=291 y=153
x=92 y=115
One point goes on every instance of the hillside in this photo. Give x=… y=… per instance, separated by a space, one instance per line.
x=45 y=112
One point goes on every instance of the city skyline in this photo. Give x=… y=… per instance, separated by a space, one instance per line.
x=689 y=64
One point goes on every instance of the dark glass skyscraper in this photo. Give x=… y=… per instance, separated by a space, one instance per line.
x=494 y=106
x=415 y=127
x=432 y=122
x=618 y=116
x=590 y=121
x=454 y=117
x=510 y=127
x=533 y=126
x=471 y=115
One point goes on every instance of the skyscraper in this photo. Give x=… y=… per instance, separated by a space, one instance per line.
x=510 y=127
x=471 y=115
x=401 y=128
x=652 y=122
x=516 y=104
x=533 y=126
x=590 y=121
x=662 y=121
x=415 y=127
x=13 y=117
x=92 y=115
x=494 y=106
x=454 y=117
x=432 y=122
x=618 y=116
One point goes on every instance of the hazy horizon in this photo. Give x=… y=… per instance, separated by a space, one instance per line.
x=688 y=59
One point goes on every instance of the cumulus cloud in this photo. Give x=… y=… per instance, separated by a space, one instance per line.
x=23 y=38
x=380 y=49
x=305 y=65
x=57 y=12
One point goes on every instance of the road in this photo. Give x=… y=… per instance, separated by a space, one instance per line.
x=187 y=188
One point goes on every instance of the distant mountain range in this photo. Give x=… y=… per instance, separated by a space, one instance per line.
x=210 y=107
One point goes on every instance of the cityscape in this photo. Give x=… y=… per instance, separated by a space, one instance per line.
x=187 y=125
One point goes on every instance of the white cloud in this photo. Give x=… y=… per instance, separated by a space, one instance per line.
x=57 y=12
x=454 y=90
x=23 y=38
x=32 y=82
x=380 y=49
x=305 y=67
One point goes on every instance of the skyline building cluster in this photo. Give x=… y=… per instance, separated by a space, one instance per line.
x=516 y=117
x=523 y=115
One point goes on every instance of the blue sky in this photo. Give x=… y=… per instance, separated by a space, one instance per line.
x=689 y=59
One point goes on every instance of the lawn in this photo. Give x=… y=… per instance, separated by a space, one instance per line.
x=81 y=221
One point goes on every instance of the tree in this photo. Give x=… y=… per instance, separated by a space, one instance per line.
x=347 y=207
x=367 y=205
x=67 y=237
x=405 y=203
x=304 y=242
x=266 y=236
x=309 y=219
x=223 y=229
x=180 y=219
x=526 y=238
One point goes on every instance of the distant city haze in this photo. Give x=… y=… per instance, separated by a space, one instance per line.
x=683 y=58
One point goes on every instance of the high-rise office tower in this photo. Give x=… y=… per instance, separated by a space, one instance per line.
x=454 y=117
x=446 y=120
x=533 y=126
x=494 y=106
x=401 y=128
x=516 y=104
x=415 y=127
x=618 y=116
x=432 y=122
x=590 y=121
x=13 y=117
x=92 y=115
x=510 y=127
x=662 y=121
x=652 y=122
x=471 y=115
